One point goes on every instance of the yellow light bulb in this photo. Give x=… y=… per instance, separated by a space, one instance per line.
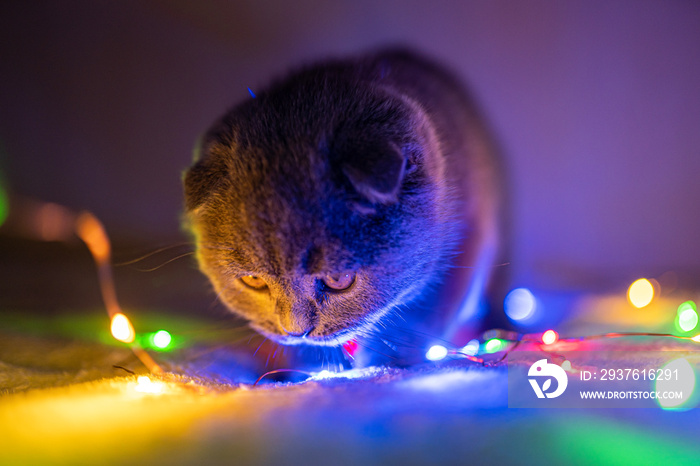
x=122 y=329
x=145 y=385
x=640 y=293
x=549 y=337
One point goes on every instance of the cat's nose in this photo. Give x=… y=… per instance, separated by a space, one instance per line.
x=297 y=323
x=297 y=317
x=303 y=334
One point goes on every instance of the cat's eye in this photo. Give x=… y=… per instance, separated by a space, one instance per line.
x=339 y=282
x=254 y=282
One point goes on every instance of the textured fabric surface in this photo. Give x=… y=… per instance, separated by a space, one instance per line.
x=65 y=402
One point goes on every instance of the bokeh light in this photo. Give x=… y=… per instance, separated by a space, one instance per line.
x=122 y=329
x=350 y=347
x=550 y=337
x=471 y=348
x=494 y=345
x=436 y=353
x=146 y=385
x=161 y=339
x=640 y=293
x=687 y=316
x=687 y=320
x=520 y=304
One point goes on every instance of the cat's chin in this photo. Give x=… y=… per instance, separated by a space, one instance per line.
x=336 y=339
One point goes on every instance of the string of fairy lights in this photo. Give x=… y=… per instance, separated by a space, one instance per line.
x=520 y=305
x=640 y=294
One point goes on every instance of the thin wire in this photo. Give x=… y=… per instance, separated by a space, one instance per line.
x=533 y=338
x=90 y=230
x=277 y=371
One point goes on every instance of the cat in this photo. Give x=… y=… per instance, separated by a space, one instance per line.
x=352 y=197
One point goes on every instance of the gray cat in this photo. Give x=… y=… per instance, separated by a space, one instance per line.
x=351 y=198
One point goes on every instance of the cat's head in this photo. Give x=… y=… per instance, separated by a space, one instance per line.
x=315 y=207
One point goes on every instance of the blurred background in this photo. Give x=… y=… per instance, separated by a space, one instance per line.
x=596 y=106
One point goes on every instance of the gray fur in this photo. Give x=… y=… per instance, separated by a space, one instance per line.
x=377 y=165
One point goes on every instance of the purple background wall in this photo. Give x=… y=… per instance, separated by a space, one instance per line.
x=596 y=105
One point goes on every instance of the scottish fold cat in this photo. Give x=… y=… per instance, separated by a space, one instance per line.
x=353 y=199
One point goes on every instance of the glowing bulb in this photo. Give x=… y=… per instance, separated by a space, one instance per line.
x=471 y=348
x=436 y=353
x=520 y=304
x=350 y=347
x=549 y=337
x=349 y=374
x=493 y=345
x=145 y=385
x=122 y=329
x=696 y=338
x=688 y=320
x=162 y=339
x=640 y=293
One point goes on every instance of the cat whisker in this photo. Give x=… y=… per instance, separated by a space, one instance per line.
x=260 y=346
x=258 y=335
x=421 y=338
x=153 y=253
x=274 y=355
x=269 y=355
x=217 y=299
x=393 y=342
x=401 y=336
x=390 y=345
x=334 y=359
x=153 y=269
x=370 y=348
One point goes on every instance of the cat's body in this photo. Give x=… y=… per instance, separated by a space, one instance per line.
x=348 y=194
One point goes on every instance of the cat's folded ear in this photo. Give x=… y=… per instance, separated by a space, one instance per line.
x=202 y=178
x=376 y=172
